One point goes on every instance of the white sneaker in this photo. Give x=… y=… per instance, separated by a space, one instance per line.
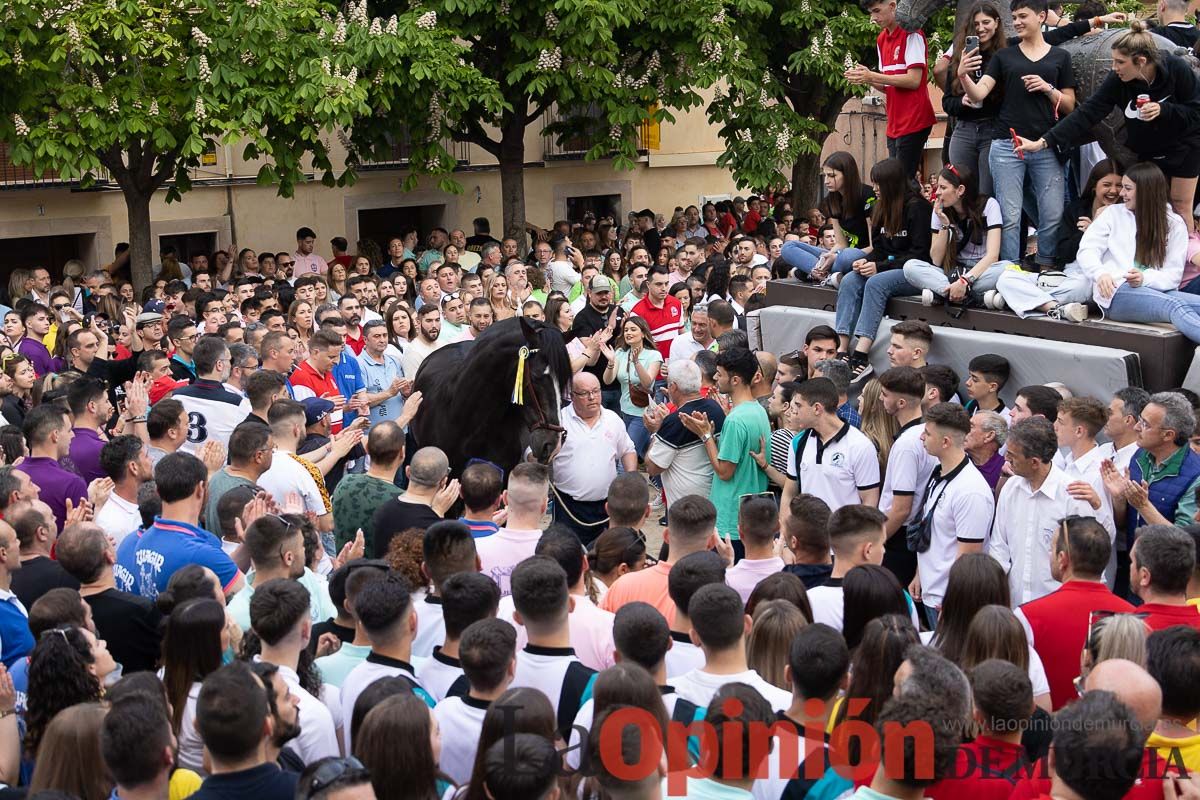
x=928 y=298
x=833 y=280
x=1071 y=312
x=994 y=300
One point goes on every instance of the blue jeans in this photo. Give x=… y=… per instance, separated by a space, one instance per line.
x=802 y=257
x=1140 y=304
x=1037 y=184
x=970 y=146
x=861 y=301
x=637 y=431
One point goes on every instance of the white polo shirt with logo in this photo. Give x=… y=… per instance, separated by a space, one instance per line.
x=587 y=462
x=909 y=466
x=837 y=470
x=961 y=505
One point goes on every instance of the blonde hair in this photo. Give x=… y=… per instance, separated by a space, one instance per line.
x=1119 y=636
x=878 y=425
x=776 y=623
x=1136 y=41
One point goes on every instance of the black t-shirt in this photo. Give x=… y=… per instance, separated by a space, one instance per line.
x=587 y=322
x=264 y=782
x=345 y=635
x=854 y=219
x=1030 y=114
x=1183 y=34
x=890 y=250
x=129 y=624
x=475 y=243
x=395 y=516
x=37 y=576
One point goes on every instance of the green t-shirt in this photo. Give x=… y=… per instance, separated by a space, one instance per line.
x=218 y=485
x=744 y=426
x=354 y=502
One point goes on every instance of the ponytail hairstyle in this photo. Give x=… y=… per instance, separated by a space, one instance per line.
x=986 y=49
x=971 y=214
x=837 y=204
x=894 y=191
x=1138 y=41
x=1150 y=214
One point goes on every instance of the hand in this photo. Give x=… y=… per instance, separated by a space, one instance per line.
x=760 y=455
x=1082 y=490
x=8 y=693
x=608 y=353
x=724 y=402
x=1177 y=788
x=1115 y=482
x=1149 y=111
x=914 y=589
x=338 y=401
x=500 y=517
x=351 y=550
x=956 y=291
x=1083 y=223
x=395 y=387
x=137 y=395
x=1106 y=285
x=258 y=507
x=445 y=497
x=653 y=418
x=1138 y=494
x=235 y=632
x=409 y=411
x=697 y=422
x=1030 y=145
x=213 y=456
x=725 y=549
x=406 y=387
x=1115 y=18
x=940 y=212
x=328 y=643
x=343 y=443
x=293 y=503
x=99 y=491
x=78 y=513
x=970 y=63
x=1036 y=83
x=858 y=75
x=1134 y=277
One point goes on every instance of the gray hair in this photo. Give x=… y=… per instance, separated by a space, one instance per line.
x=240 y=354
x=1169 y=554
x=488 y=248
x=837 y=371
x=1133 y=398
x=372 y=325
x=1036 y=437
x=934 y=675
x=429 y=465
x=993 y=423
x=686 y=376
x=1179 y=416
x=324 y=309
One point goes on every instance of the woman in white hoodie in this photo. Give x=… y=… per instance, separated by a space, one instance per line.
x=1134 y=255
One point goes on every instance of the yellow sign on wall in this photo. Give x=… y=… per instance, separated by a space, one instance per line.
x=651 y=131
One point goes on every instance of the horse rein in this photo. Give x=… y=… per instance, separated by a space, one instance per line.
x=541 y=423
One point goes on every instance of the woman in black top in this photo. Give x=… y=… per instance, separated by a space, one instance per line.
x=847 y=207
x=1165 y=130
x=1103 y=188
x=899 y=231
x=974 y=123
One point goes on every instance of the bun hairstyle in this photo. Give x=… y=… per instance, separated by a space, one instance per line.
x=1138 y=41
x=189 y=583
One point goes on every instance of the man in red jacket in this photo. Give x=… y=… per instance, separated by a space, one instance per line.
x=1057 y=624
x=1163 y=557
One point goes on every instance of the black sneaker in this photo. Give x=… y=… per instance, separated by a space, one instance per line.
x=860 y=368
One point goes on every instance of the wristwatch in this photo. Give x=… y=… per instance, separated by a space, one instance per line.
x=706 y=438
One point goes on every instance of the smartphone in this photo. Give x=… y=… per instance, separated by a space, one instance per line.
x=972 y=43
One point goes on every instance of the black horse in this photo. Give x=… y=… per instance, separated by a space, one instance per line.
x=468 y=409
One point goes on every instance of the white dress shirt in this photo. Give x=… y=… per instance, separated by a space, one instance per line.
x=1087 y=468
x=1024 y=529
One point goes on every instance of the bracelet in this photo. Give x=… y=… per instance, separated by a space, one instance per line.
x=8 y=713
x=134 y=420
x=1097 y=22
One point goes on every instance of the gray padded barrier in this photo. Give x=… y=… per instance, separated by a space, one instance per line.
x=1084 y=369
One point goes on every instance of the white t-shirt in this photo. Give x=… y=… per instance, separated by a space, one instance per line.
x=969 y=251
x=431 y=625
x=462 y=720
x=587 y=463
x=909 y=466
x=286 y=476
x=500 y=553
x=683 y=656
x=700 y=687
x=837 y=470
x=118 y=517
x=828 y=603
x=562 y=275
x=962 y=506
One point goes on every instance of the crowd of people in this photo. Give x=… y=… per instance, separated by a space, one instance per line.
x=228 y=569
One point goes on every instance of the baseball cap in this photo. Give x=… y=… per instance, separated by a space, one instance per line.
x=599 y=283
x=154 y=307
x=164 y=386
x=315 y=408
x=146 y=317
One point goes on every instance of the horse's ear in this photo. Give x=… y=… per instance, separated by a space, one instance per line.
x=527 y=328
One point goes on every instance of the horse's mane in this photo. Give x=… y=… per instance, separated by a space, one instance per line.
x=490 y=358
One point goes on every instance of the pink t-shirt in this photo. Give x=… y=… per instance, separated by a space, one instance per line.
x=745 y=575
x=502 y=551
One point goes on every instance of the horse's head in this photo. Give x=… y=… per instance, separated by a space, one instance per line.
x=549 y=375
x=913 y=14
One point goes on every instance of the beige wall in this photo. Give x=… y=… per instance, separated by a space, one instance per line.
x=242 y=214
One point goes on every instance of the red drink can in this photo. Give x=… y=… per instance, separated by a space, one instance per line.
x=1142 y=99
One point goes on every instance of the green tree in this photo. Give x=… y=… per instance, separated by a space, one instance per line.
x=132 y=90
x=785 y=98
x=607 y=65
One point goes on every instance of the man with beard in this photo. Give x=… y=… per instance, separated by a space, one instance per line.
x=276 y=549
x=429 y=327
x=126 y=460
x=351 y=310
x=364 y=288
x=285 y=714
x=637 y=286
x=213 y=411
x=600 y=315
x=479 y=319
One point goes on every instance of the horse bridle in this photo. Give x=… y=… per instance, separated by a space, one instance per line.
x=541 y=423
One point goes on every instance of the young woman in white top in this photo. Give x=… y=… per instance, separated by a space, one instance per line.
x=1134 y=255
